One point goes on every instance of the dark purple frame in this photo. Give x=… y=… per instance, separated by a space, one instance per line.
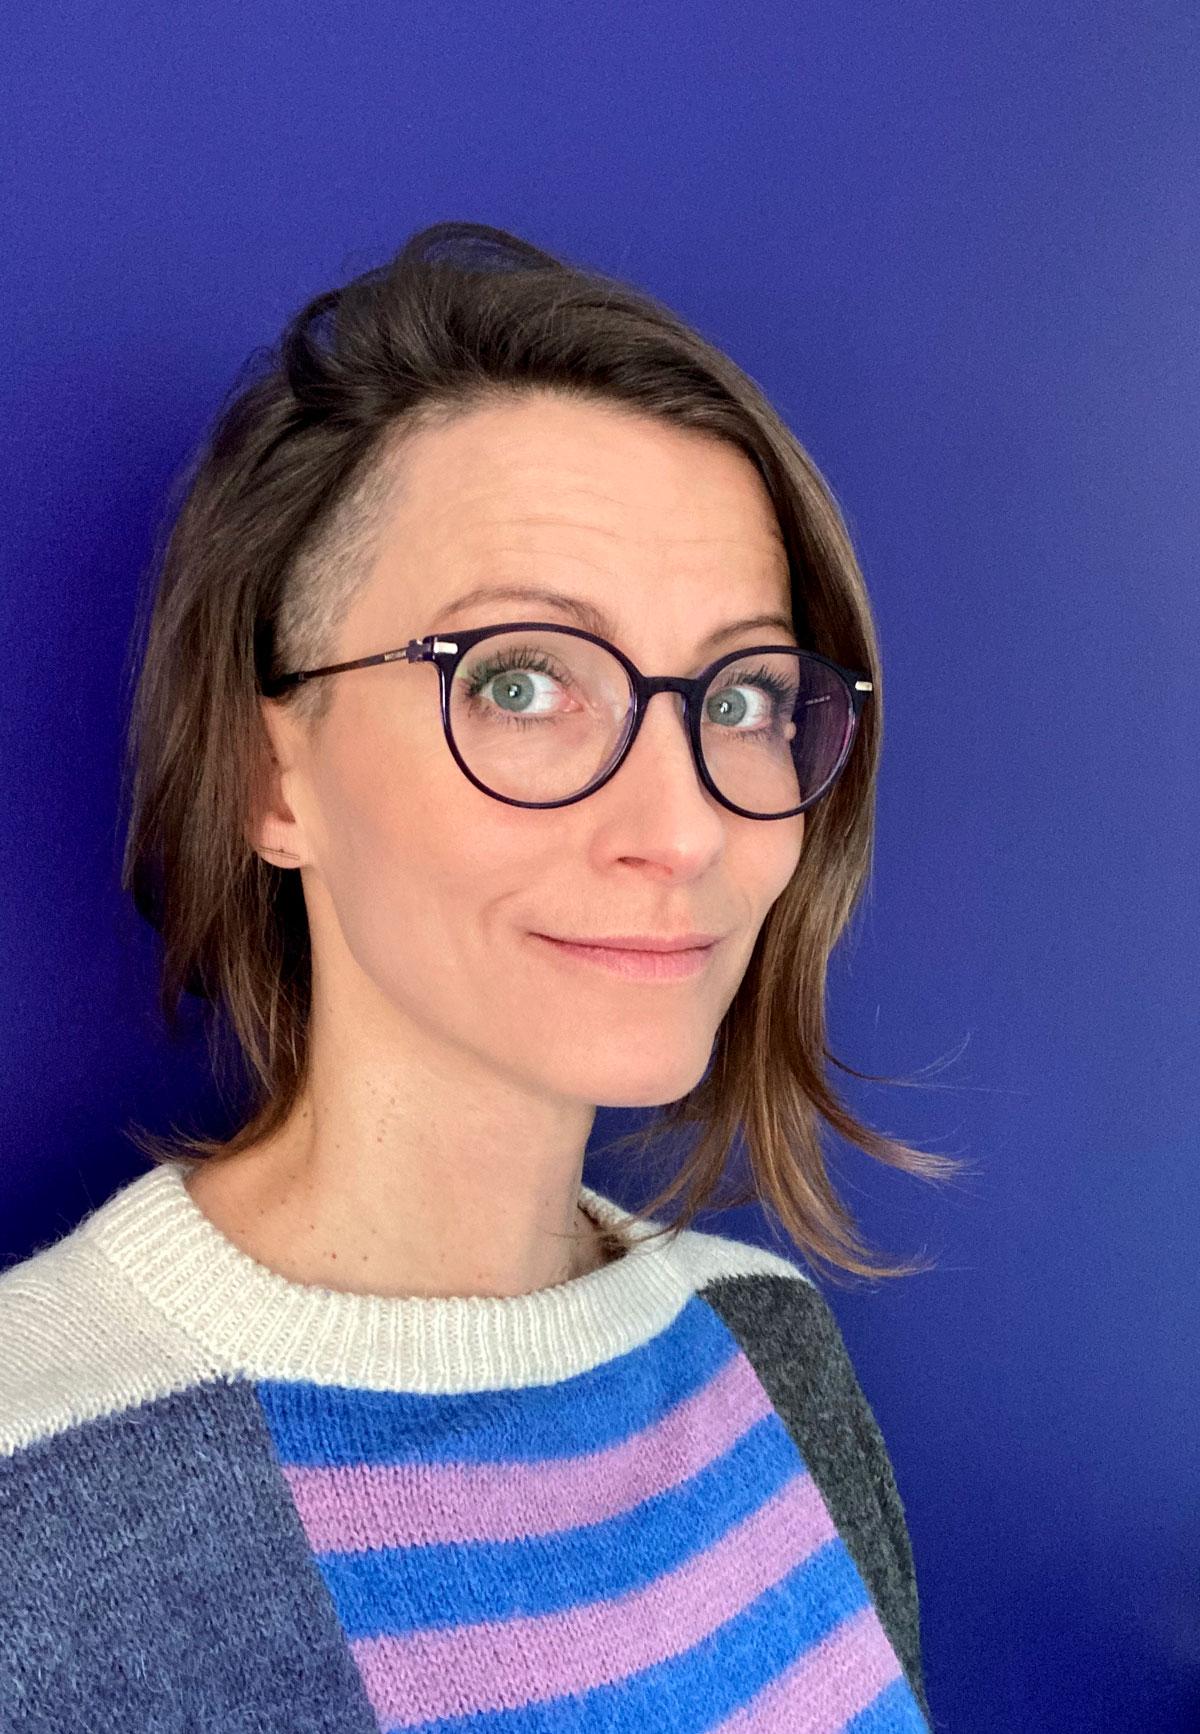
x=447 y=649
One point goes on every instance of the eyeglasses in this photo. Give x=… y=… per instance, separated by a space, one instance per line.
x=540 y=715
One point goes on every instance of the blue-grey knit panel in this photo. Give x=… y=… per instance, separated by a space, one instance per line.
x=154 y=1579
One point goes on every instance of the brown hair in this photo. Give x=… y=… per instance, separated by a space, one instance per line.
x=267 y=535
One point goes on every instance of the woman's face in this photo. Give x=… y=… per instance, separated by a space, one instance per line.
x=425 y=895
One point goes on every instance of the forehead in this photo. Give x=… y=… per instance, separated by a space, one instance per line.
x=581 y=482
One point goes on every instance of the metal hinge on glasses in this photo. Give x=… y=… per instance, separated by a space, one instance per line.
x=419 y=649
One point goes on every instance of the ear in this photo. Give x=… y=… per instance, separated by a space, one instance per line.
x=272 y=828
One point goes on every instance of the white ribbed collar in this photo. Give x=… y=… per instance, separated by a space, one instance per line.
x=253 y=1320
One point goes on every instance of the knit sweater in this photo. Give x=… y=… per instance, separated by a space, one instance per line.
x=650 y=1497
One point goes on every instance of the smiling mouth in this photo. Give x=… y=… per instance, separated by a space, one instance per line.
x=634 y=964
x=637 y=942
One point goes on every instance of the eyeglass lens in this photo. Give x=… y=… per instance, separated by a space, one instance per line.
x=540 y=716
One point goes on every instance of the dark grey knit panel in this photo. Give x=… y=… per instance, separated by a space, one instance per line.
x=155 y=1579
x=789 y=1334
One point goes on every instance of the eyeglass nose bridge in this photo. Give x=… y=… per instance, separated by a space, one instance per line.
x=691 y=691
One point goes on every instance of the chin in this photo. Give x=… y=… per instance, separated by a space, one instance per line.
x=642 y=1086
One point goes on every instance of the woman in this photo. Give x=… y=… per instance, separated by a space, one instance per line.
x=504 y=746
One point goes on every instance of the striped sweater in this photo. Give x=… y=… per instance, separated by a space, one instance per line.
x=651 y=1497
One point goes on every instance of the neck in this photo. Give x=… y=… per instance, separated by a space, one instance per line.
x=423 y=1237
x=240 y=1317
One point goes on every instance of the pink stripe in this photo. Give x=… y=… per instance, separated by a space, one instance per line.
x=348 y=1509
x=499 y=1665
x=830 y=1685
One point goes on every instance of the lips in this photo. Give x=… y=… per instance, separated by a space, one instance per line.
x=634 y=963
x=636 y=942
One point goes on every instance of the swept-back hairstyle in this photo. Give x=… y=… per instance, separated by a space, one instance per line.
x=267 y=536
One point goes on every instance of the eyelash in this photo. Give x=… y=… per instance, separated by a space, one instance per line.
x=771 y=683
x=525 y=658
x=522 y=658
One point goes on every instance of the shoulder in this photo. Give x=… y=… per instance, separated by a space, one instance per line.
x=785 y=1326
x=78 y=1342
x=709 y=1258
x=788 y=1332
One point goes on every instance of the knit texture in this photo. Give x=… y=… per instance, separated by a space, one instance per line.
x=650 y=1497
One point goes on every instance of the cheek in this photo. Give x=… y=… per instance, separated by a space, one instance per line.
x=414 y=862
x=763 y=859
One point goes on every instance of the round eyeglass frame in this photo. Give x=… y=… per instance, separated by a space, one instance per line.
x=446 y=650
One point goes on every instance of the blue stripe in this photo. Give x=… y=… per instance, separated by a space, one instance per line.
x=696 y=1690
x=326 y=1426
x=402 y=1589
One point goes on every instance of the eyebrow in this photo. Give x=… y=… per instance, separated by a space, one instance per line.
x=592 y=618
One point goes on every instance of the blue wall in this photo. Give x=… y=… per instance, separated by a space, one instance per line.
x=958 y=246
